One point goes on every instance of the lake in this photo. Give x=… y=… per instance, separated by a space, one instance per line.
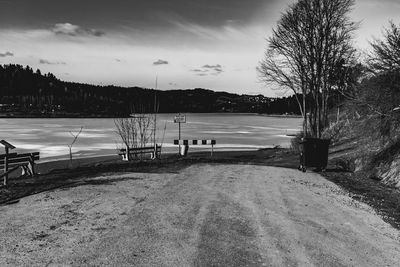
x=99 y=137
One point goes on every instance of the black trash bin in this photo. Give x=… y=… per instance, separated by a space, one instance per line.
x=314 y=153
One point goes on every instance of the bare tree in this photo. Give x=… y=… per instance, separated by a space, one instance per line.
x=381 y=92
x=75 y=137
x=385 y=56
x=145 y=128
x=310 y=43
x=126 y=129
x=135 y=131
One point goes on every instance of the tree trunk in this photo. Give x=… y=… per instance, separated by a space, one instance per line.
x=70 y=157
x=304 y=114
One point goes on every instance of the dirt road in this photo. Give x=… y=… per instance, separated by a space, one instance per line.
x=205 y=215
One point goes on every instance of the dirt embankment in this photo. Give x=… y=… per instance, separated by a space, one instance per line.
x=370 y=156
x=202 y=215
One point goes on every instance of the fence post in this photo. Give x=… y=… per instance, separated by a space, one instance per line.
x=32 y=165
x=127 y=153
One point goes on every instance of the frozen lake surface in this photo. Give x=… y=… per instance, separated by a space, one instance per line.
x=99 y=137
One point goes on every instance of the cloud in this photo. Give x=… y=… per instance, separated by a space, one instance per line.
x=6 y=54
x=44 y=61
x=228 y=32
x=212 y=66
x=160 y=62
x=198 y=70
x=208 y=70
x=69 y=29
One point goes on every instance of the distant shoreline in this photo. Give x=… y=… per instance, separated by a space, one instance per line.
x=70 y=116
x=282 y=115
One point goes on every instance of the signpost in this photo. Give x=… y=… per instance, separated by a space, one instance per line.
x=179 y=119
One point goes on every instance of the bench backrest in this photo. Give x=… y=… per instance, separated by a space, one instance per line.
x=14 y=158
x=140 y=149
x=10 y=155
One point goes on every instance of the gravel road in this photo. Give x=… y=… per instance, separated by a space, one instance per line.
x=203 y=215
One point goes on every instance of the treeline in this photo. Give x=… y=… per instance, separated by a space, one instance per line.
x=372 y=104
x=25 y=92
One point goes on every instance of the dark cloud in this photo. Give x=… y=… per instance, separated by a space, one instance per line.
x=75 y=30
x=6 y=54
x=118 y=60
x=47 y=62
x=198 y=70
x=208 y=70
x=141 y=14
x=212 y=66
x=160 y=62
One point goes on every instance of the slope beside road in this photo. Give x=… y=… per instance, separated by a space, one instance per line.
x=203 y=215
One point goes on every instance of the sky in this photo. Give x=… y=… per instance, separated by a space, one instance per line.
x=214 y=44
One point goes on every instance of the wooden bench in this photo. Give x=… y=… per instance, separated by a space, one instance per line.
x=14 y=160
x=133 y=152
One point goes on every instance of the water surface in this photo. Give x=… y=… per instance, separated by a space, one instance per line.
x=99 y=137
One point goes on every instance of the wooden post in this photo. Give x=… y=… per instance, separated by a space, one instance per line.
x=179 y=136
x=127 y=153
x=158 y=151
x=179 y=119
x=212 y=149
x=6 y=167
x=31 y=165
x=7 y=147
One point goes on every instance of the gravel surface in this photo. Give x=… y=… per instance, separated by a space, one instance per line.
x=203 y=215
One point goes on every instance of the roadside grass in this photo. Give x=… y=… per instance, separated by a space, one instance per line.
x=383 y=199
x=63 y=177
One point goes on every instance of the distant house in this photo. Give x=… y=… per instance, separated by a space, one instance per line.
x=5 y=107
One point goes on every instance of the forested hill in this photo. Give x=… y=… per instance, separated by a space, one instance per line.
x=28 y=93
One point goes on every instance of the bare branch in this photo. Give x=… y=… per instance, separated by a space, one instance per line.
x=75 y=136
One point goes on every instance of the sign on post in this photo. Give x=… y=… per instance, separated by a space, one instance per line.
x=180 y=118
